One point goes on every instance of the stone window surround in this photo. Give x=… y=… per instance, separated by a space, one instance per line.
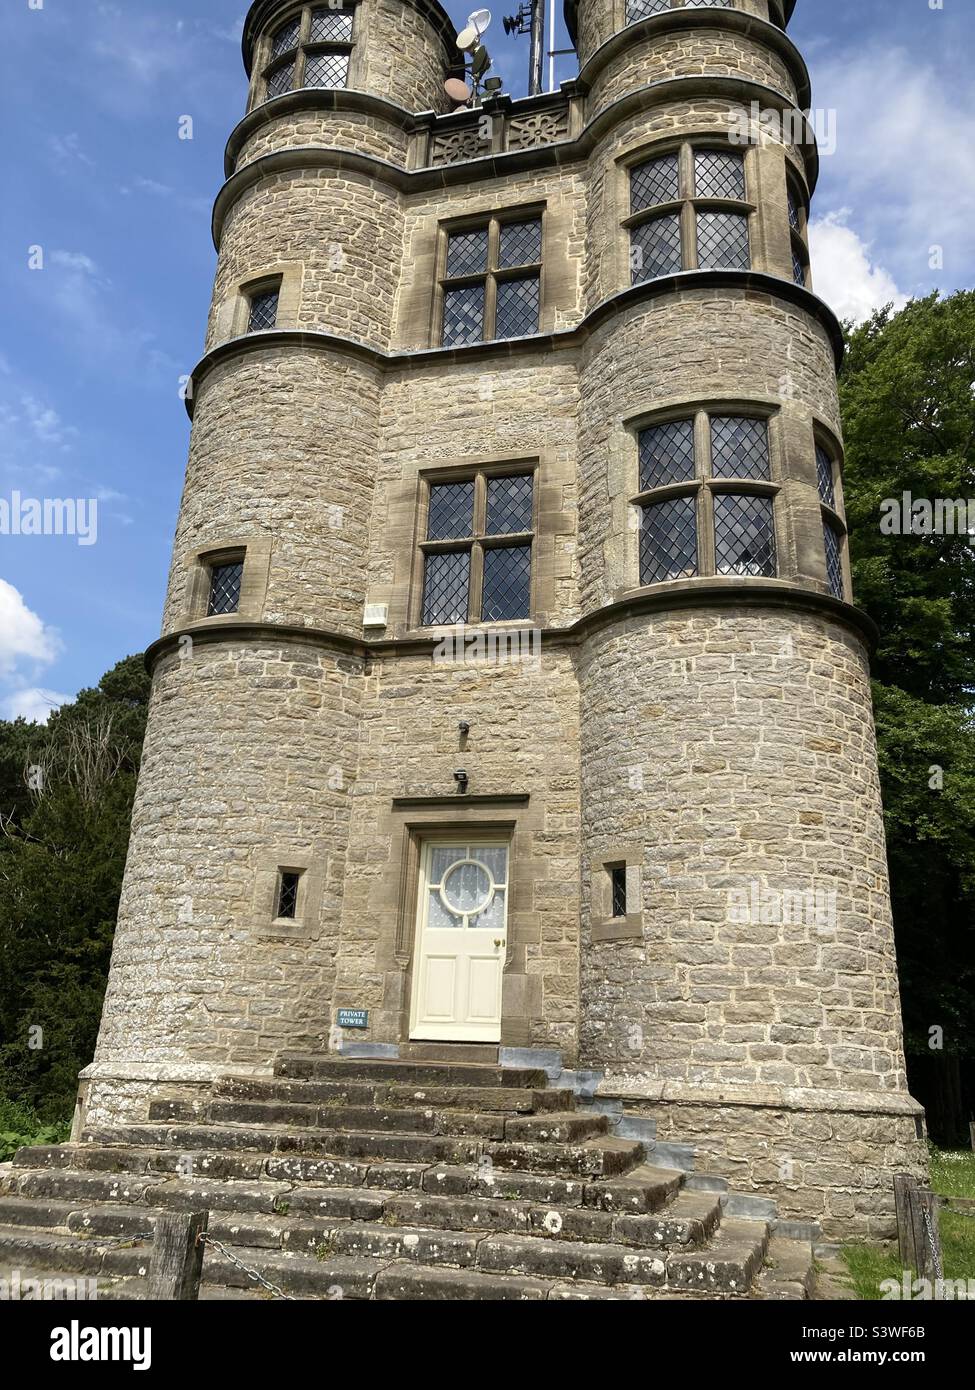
x=687 y=205
x=405 y=526
x=262 y=54
x=481 y=474
x=408 y=825
x=835 y=516
x=233 y=314
x=703 y=486
x=604 y=926
x=492 y=220
x=306 y=924
x=255 y=551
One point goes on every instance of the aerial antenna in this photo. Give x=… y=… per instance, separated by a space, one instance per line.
x=530 y=19
x=469 y=42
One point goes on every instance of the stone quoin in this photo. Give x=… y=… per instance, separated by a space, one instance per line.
x=551 y=366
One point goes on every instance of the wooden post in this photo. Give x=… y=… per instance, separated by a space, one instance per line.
x=918 y=1237
x=904 y=1189
x=177 y=1255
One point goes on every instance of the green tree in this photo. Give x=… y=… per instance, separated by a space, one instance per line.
x=909 y=425
x=62 y=855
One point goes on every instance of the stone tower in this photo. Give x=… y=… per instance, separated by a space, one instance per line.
x=509 y=690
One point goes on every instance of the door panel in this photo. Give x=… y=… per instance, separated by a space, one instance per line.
x=461 y=941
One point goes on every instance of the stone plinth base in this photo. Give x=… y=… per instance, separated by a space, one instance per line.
x=826 y=1156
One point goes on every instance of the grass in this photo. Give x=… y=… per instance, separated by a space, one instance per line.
x=20 y=1125
x=952 y=1175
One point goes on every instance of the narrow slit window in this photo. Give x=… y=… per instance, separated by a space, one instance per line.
x=288 y=881
x=617 y=879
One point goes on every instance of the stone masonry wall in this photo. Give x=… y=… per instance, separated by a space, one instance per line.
x=342 y=129
x=282 y=448
x=688 y=53
x=237 y=771
x=343 y=229
x=524 y=738
x=736 y=751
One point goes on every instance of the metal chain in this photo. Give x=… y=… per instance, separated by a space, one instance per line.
x=254 y=1275
x=932 y=1244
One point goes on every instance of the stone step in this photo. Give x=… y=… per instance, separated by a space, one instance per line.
x=343 y=1261
x=688 y=1220
x=409 y=1148
x=730 y=1262
x=790 y=1270
x=484 y=1054
x=480 y=1099
x=325 y=1068
x=553 y=1126
x=558 y=1127
x=603 y=1157
x=567 y=1259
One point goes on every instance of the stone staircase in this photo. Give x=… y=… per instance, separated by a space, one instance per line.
x=381 y=1179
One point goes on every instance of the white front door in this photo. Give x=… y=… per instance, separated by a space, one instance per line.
x=461 y=940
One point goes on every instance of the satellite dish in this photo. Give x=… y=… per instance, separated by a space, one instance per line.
x=479 y=20
x=457 y=90
x=467 y=39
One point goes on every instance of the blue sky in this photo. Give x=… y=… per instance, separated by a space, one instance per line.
x=94 y=343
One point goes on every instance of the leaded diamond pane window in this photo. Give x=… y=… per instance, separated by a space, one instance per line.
x=520 y=243
x=668 y=540
x=655 y=248
x=326 y=70
x=225 y=588
x=518 y=305
x=744 y=536
x=739 y=447
x=642 y=9
x=446 y=585
x=331 y=26
x=666 y=454
x=467 y=252
x=657 y=181
x=451 y=512
x=286 y=38
x=499 y=305
x=263 y=311
x=483 y=580
x=824 y=474
x=318 y=65
x=798 y=269
x=718 y=174
x=617 y=876
x=288 y=894
x=722 y=241
x=510 y=504
x=794 y=220
x=834 y=562
x=507 y=583
x=463 y=315
x=281 y=80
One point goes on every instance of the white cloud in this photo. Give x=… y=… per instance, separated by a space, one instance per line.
x=844 y=273
x=76 y=261
x=23 y=635
x=66 y=150
x=46 y=423
x=905 y=159
x=32 y=704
